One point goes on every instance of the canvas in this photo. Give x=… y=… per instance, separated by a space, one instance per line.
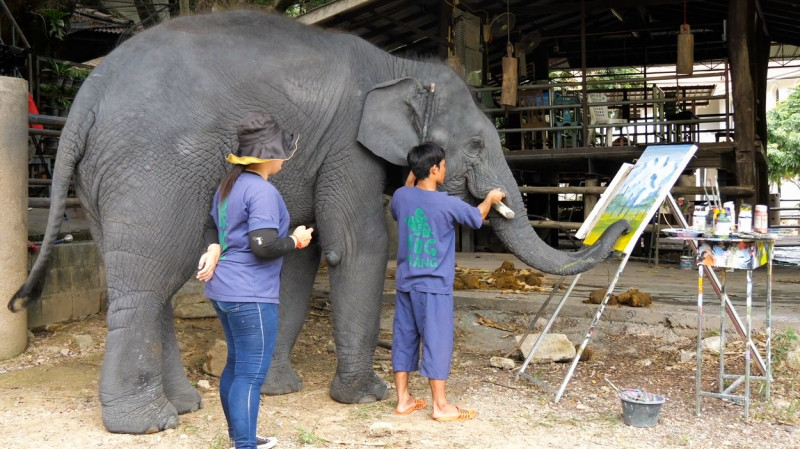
x=638 y=196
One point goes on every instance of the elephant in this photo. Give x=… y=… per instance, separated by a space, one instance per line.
x=146 y=140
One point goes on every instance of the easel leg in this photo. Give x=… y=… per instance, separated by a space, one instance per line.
x=536 y=317
x=592 y=327
x=547 y=326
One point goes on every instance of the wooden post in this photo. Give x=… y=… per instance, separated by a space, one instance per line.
x=14 y=219
x=589 y=199
x=760 y=68
x=740 y=13
x=584 y=103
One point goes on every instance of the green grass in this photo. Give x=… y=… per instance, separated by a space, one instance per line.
x=220 y=441
x=783 y=343
x=369 y=411
x=309 y=437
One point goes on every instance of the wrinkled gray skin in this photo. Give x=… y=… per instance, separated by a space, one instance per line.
x=147 y=139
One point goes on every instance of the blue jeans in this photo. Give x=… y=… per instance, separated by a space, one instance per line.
x=250 y=330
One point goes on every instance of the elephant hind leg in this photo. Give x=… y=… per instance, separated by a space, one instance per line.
x=131 y=387
x=142 y=359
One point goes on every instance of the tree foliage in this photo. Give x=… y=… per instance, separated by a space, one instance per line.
x=783 y=143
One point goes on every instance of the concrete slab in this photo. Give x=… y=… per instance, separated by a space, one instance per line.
x=674 y=293
x=674 y=290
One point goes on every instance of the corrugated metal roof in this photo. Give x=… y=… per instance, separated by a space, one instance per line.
x=618 y=32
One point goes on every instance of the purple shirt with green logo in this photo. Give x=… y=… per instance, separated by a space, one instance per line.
x=426 y=224
x=240 y=276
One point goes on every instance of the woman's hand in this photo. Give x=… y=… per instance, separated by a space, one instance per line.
x=303 y=236
x=208 y=262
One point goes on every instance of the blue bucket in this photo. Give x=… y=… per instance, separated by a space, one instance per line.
x=640 y=408
x=687 y=262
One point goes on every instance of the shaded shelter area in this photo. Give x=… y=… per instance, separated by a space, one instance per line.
x=569 y=134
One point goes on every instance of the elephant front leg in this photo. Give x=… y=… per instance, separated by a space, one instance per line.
x=179 y=391
x=356 y=293
x=131 y=385
x=297 y=280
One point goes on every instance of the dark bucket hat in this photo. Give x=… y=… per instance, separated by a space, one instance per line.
x=261 y=140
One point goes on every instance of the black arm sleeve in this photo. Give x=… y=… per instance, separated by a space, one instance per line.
x=210 y=234
x=265 y=244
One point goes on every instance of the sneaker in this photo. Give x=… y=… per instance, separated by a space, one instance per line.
x=261 y=442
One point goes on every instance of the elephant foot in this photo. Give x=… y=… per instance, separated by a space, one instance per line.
x=185 y=399
x=358 y=388
x=127 y=415
x=281 y=379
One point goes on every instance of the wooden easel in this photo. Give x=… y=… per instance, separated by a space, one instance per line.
x=635 y=193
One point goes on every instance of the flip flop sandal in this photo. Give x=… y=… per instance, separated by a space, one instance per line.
x=463 y=415
x=419 y=404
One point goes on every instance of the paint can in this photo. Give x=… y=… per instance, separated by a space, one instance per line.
x=687 y=262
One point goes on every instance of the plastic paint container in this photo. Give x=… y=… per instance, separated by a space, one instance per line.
x=699 y=218
x=730 y=209
x=760 y=220
x=745 y=218
x=722 y=228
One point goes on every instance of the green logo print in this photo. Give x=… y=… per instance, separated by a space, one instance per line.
x=421 y=244
x=222 y=214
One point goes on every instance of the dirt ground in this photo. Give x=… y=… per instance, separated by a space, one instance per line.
x=48 y=397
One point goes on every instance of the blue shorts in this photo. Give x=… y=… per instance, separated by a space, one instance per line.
x=427 y=317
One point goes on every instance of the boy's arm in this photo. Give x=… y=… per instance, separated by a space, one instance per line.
x=411 y=181
x=493 y=197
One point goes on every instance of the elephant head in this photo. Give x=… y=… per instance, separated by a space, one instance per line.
x=437 y=106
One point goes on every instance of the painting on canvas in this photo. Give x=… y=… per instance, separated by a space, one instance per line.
x=641 y=193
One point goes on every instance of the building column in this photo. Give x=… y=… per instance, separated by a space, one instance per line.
x=14 y=219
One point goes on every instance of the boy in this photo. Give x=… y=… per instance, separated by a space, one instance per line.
x=426 y=222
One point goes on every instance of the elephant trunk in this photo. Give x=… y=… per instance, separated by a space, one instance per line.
x=518 y=236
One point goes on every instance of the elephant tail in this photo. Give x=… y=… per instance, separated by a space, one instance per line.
x=71 y=147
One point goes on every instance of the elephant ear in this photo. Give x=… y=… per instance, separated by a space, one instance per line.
x=391 y=123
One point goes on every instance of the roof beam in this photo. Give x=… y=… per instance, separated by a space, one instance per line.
x=330 y=10
x=570 y=7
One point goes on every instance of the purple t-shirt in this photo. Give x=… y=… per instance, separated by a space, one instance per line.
x=426 y=252
x=240 y=276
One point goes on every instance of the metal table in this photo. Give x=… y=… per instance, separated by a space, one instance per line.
x=747 y=252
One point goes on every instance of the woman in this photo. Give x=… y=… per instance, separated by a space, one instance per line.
x=246 y=238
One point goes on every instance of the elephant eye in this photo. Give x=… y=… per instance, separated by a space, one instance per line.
x=474 y=146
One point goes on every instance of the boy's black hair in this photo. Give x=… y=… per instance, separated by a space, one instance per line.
x=424 y=156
